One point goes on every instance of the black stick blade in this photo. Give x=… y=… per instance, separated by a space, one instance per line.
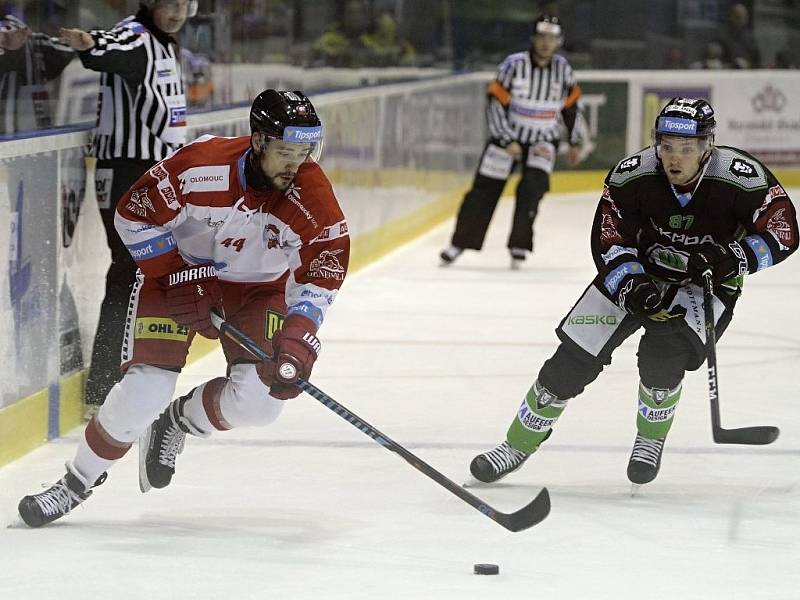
x=529 y=515
x=751 y=436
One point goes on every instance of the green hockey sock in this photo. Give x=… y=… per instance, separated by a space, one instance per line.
x=535 y=418
x=656 y=410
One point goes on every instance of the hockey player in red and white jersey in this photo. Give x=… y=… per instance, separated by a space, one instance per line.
x=247 y=226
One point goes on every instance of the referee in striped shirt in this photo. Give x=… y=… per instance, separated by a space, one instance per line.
x=533 y=92
x=141 y=120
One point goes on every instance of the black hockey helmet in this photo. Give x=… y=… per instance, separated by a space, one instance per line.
x=686 y=117
x=548 y=24
x=150 y=4
x=287 y=116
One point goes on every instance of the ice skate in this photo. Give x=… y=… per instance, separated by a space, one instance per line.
x=57 y=500
x=160 y=445
x=495 y=464
x=518 y=257
x=449 y=254
x=645 y=460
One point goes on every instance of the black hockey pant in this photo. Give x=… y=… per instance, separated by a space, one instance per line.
x=595 y=327
x=104 y=370
x=479 y=203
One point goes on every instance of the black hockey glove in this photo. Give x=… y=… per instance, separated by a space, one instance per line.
x=725 y=262
x=643 y=299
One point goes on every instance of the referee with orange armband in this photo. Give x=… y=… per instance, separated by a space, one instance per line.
x=532 y=94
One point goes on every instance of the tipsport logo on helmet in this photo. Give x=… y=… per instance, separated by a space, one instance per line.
x=677 y=125
x=303 y=134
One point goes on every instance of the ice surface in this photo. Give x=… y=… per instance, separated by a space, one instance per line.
x=439 y=360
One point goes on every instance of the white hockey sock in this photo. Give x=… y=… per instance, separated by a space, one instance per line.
x=195 y=412
x=242 y=401
x=87 y=465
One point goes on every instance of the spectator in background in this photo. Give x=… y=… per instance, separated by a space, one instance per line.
x=784 y=59
x=384 y=47
x=740 y=48
x=550 y=7
x=713 y=58
x=141 y=121
x=675 y=59
x=28 y=62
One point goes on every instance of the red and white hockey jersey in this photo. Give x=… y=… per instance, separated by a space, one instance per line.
x=195 y=207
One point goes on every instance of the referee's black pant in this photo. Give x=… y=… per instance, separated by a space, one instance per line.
x=480 y=202
x=104 y=370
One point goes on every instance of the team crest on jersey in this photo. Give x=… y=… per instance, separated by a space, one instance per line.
x=140 y=203
x=629 y=164
x=327 y=265
x=742 y=168
x=271 y=234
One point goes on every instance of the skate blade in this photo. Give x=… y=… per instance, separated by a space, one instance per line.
x=144 y=444
x=17 y=523
x=635 y=489
x=471 y=482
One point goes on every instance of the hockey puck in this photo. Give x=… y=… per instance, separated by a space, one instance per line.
x=485 y=569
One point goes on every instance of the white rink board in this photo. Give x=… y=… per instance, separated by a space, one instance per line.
x=439 y=360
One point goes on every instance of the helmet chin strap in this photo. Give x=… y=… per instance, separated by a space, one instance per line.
x=701 y=166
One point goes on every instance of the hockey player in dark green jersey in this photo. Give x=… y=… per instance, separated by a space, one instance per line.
x=666 y=214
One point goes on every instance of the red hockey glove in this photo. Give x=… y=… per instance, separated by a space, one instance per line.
x=725 y=261
x=294 y=348
x=190 y=294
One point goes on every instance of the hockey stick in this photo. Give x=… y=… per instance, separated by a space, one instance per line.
x=755 y=436
x=528 y=516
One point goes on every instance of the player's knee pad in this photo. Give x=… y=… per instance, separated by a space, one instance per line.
x=136 y=401
x=569 y=371
x=245 y=399
x=664 y=359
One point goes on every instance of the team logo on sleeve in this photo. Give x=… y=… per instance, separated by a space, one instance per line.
x=776 y=191
x=165 y=189
x=609 y=234
x=139 y=203
x=742 y=168
x=780 y=228
x=327 y=265
x=629 y=164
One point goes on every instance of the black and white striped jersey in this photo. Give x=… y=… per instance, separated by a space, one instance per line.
x=142 y=103
x=526 y=100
